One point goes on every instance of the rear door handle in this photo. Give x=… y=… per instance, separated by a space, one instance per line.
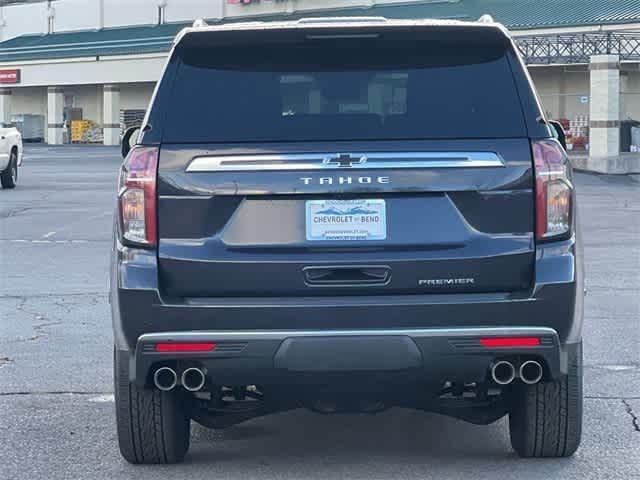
x=347 y=275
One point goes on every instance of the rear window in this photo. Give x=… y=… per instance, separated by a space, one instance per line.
x=323 y=91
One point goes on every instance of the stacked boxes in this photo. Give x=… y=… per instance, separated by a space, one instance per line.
x=131 y=118
x=578 y=133
x=93 y=134
x=78 y=128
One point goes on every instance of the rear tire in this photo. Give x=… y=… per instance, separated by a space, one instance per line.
x=153 y=426
x=546 y=419
x=9 y=176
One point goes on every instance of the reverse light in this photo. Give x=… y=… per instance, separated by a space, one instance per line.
x=510 y=342
x=554 y=190
x=137 y=196
x=185 y=347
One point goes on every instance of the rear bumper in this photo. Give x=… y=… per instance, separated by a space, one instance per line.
x=288 y=356
x=552 y=308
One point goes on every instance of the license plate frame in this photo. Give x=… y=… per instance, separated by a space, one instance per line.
x=346 y=220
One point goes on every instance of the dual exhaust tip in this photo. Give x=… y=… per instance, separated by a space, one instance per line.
x=504 y=372
x=192 y=379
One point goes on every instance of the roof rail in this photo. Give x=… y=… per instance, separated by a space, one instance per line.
x=486 y=18
x=312 y=20
x=199 y=23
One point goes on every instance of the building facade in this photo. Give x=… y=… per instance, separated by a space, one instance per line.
x=81 y=70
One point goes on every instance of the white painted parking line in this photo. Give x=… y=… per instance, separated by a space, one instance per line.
x=45 y=242
x=102 y=399
x=62 y=228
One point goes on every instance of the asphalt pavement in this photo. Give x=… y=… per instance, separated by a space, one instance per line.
x=56 y=402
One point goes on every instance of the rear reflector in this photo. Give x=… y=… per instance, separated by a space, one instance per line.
x=510 y=342
x=185 y=347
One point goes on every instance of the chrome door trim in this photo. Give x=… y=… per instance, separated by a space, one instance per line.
x=360 y=161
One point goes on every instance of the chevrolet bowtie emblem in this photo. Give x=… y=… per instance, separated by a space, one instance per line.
x=345 y=160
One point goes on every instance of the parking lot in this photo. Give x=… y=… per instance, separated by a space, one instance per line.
x=56 y=403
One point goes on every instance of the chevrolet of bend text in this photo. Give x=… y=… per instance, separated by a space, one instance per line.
x=346 y=215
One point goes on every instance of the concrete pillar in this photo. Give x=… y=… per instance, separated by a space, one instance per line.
x=111 y=114
x=5 y=105
x=604 y=109
x=55 y=111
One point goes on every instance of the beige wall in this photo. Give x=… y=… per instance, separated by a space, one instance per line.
x=29 y=100
x=88 y=97
x=135 y=95
x=86 y=70
x=561 y=89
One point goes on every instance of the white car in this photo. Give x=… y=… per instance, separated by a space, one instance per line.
x=10 y=155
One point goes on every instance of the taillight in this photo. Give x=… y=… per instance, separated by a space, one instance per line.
x=554 y=190
x=137 y=196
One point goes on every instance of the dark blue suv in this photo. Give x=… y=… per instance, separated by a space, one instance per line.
x=346 y=215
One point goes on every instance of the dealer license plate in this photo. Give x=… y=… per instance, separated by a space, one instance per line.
x=346 y=219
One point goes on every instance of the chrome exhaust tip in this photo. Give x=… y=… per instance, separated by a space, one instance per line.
x=503 y=372
x=530 y=372
x=193 y=379
x=165 y=379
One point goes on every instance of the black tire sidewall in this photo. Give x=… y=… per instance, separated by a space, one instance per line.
x=545 y=419
x=6 y=177
x=161 y=437
x=123 y=407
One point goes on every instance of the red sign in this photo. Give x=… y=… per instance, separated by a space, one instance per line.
x=10 y=76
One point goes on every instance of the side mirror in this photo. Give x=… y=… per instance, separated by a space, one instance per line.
x=129 y=139
x=558 y=132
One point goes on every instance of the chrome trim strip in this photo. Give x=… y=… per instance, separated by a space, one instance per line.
x=202 y=335
x=358 y=160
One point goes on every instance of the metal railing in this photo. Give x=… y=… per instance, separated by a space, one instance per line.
x=578 y=47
